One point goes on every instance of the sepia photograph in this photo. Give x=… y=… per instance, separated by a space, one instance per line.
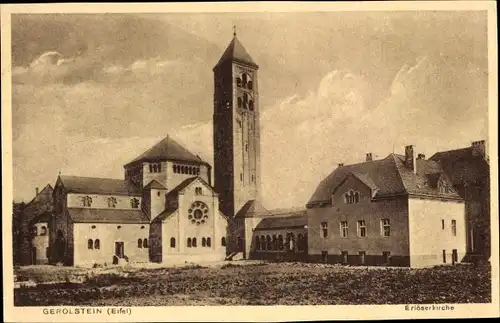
x=229 y=155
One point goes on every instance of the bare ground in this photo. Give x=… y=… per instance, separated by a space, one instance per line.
x=255 y=283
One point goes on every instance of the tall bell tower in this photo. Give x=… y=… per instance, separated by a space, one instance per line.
x=236 y=128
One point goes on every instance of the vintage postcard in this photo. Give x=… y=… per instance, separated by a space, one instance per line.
x=254 y=161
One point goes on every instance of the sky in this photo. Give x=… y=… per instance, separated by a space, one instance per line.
x=92 y=92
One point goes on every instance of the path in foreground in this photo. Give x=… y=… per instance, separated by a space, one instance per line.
x=269 y=284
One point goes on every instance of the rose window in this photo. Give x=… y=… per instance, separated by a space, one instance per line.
x=198 y=213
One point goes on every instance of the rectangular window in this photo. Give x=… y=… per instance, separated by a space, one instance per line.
x=241 y=177
x=385 y=226
x=386 y=255
x=345 y=257
x=362 y=255
x=343 y=229
x=454 y=227
x=361 y=229
x=324 y=229
x=444 y=256
x=442 y=224
x=454 y=256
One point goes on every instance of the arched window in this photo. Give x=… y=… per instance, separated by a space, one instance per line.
x=182 y=170
x=90 y=244
x=189 y=242
x=240 y=103
x=238 y=82
x=43 y=231
x=257 y=243
x=97 y=244
x=190 y=170
x=139 y=243
x=150 y=168
x=250 y=85
x=172 y=242
x=223 y=241
x=269 y=243
x=209 y=242
x=245 y=99
x=197 y=171
x=356 y=197
x=263 y=242
x=203 y=242
x=275 y=242
x=291 y=242
x=194 y=242
x=280 y=242
x=250 y=105
x=145 y=243
x=244 y=79
x=346 y=198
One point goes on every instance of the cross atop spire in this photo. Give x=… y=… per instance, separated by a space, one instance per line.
x=234 y=31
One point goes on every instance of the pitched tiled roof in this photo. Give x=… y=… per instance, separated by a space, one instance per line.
x=235 y=52
x=92 y=185
x=389 y=176
x=43 y=217
x=382 y=173
x=154 y=184
x=89 y=215
x=252 y=208
x=277 y=222
x=168 y=149
x=185 y=183
x=460 y=165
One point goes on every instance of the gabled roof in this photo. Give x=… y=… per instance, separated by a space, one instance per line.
x=186 y=183
x=42 y=218
x=168 y=149
x=252 y=208
x=235 y=52
x=389 y=176
x=93 y=185
x=44 y=194
x=154 y=184
x=89 y=215
x=294 y=221
x=461 y=165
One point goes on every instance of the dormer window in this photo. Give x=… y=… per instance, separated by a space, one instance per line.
x=111 y=202
x=86 y=201
x=352 y=197
x=134 y=203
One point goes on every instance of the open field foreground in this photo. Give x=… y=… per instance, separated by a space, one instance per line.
x=241 y=283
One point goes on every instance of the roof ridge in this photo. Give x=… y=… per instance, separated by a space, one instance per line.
x=398 y=171
x=91 y=177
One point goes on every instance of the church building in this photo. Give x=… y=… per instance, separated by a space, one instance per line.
x=165 y=210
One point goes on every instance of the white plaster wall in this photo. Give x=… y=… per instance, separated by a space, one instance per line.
x=108 y=233
x=427 y=238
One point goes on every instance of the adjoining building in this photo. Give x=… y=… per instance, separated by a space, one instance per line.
x=40 y=238
x=30 y=248
x=401 y=210
x=164 y=210
x=469 y=170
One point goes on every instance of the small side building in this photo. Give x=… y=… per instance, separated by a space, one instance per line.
x=400 y=211
x=40 y=238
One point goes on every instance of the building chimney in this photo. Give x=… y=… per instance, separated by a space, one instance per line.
x=341 y=164
x=479 y=148
x=410 y=161
x=420 y=156
x=36 y=191
x=369 y=157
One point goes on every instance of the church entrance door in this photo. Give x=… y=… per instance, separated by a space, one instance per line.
x=119 y=249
